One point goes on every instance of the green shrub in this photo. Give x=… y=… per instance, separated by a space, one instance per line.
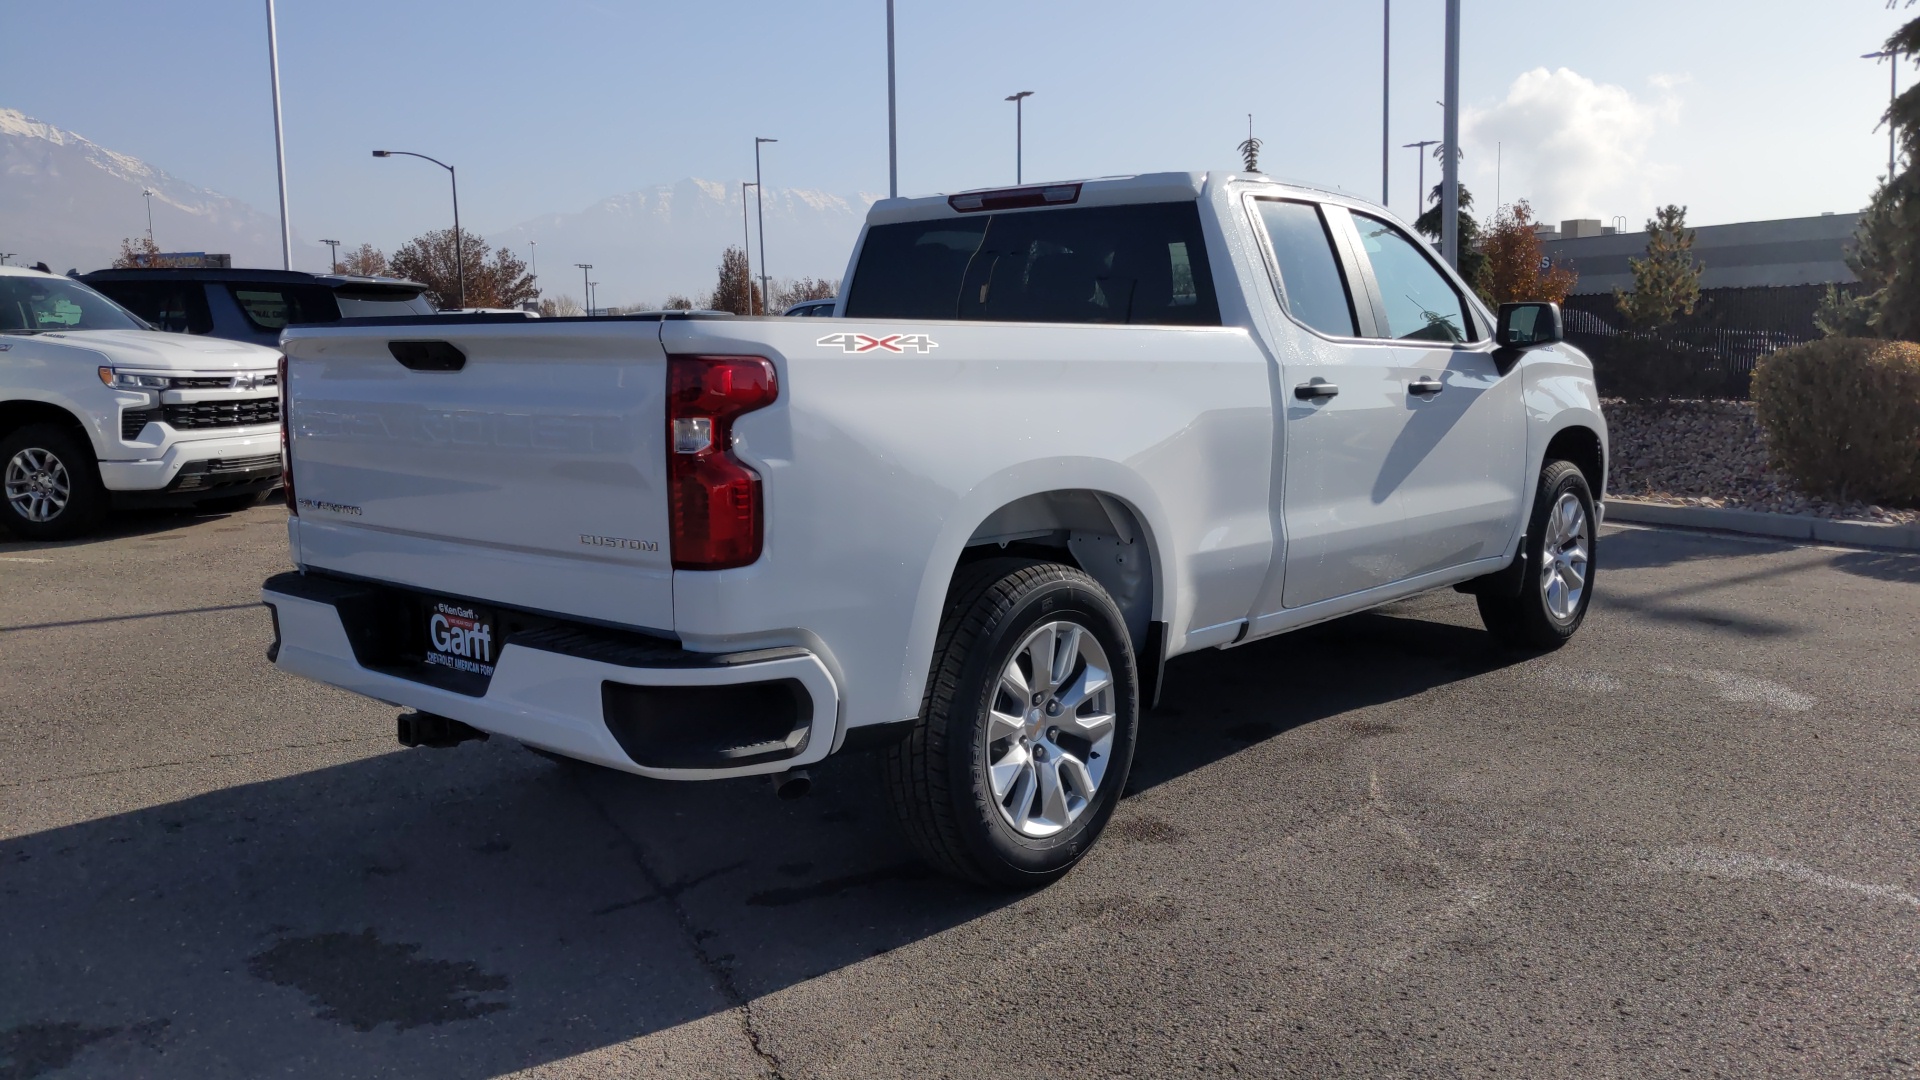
x=1842 y=417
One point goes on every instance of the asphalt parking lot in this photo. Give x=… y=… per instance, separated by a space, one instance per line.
x=1689 y=844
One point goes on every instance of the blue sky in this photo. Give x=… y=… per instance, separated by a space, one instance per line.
x=1743 y=110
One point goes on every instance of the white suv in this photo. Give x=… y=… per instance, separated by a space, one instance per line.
x=99 y=410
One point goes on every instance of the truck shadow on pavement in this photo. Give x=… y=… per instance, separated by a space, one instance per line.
x=480 y=910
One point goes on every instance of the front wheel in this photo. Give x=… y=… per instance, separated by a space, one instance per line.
x=1026 y=736
x=49 y=484
x=1556 y=584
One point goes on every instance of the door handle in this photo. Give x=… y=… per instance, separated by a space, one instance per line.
x=1318 y=388
x=1426 y=386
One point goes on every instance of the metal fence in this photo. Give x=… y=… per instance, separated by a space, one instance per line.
x=1710 y=353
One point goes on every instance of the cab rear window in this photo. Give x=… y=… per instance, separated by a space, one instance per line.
x=1143 y=264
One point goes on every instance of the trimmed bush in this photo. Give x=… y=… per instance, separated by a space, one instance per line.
x=1842 y=417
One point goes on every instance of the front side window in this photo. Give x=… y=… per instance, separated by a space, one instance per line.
x=1422 y=305
x=1143 y=264
x=29 y=304
x=274 y=307
x=1316 y=290
x=176 y=306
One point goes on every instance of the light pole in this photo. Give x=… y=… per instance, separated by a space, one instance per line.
x=1386 y=98
x=1893 y=97
x=586 y=287
x=1420 y=154
x=591 y=286
x=533 y=259
x=147 y=193
x=746 y=248
x=333 y=255
x=279 y=141
x=459 y=239
x=1450 y=184
x=759 y=198
x=893 y=127
x=1019 y=135
x=5 y=255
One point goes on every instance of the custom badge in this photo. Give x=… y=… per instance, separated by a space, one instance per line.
x=893 y=343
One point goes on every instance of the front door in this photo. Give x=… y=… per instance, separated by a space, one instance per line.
x=1459 y=463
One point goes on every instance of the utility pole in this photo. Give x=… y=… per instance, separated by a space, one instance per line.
x=333 y=255
x=1893 y=97
x=1420 y=155
x=279 y=142
x=746 y=247
x=1450 y=184
x=586 y=287
x=893 y=126
x=759 y=198
x=1019 y=136
x=1386 y=97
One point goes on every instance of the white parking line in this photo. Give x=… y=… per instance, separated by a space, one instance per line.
x=19 y=558
x=1737 y=864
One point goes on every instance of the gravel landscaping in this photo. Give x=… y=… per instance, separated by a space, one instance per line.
x=1711 y=453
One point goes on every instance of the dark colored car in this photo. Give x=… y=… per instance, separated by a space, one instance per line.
x=254 y=305
x=818 y=309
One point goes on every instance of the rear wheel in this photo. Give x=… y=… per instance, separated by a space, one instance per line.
x=49 y=484
x=1027 y=732
x=1557 y=583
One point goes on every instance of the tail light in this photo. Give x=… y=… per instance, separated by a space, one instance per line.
x=716 y=503
x=286 y=439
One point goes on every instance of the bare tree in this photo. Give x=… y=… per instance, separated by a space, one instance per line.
x=788 y=293
x=139 y=252
x=364 y=261
x=494 y=278
x=560 y=307
x=676 y=302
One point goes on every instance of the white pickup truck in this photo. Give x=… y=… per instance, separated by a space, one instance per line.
x=98 y=409
x=1053 y=436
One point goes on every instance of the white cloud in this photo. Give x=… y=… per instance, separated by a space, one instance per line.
x=1572 y=146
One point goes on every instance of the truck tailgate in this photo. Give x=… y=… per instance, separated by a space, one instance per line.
x=533 y=474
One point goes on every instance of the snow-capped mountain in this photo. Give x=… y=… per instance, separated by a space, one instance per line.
x=68 y=201
x=668 y=239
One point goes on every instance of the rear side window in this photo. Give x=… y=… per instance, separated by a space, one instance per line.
x=274 y=307
x=1422 y=305
x=1316 y=290
x=176 y=306
x=1141 y=264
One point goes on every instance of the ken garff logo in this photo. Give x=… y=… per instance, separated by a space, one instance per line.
x=893 y=343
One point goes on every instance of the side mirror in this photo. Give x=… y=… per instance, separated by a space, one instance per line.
x=1526 y=325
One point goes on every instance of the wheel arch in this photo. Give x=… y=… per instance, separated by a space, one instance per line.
x=20 y=412
x=1582 y=446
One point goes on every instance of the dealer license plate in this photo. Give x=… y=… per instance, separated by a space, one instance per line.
x=461 y=638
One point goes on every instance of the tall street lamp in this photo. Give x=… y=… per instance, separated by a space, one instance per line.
x=147 y=193
x=459 y=239
x=1450 y=183
x=1019 y=136
x=1386 y=98
x=759 y=198
x=279 y=141
x=893 y=128
x=533 y=259
x=586 y=287
x=1420 y=153
x=1893 y=98
x=333 y=255
x=746 y=248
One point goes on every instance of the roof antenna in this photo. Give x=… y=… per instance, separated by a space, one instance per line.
x=1250 y=150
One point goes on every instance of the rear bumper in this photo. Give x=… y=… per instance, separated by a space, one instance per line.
x=569 y=692
x=187 y=458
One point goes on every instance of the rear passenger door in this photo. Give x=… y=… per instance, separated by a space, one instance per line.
x=1343 y=411
x=1458 y=463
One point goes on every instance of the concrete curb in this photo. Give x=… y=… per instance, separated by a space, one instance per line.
x=1870 y=534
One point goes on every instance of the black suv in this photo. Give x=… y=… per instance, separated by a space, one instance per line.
x=254 y=305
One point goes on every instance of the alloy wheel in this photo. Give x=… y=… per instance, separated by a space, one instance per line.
x=37 y=485
x=1564 y=558
x=1050 y=729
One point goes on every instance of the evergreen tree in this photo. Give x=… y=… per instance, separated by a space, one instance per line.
x=1667 y=282
x=1473 y=264
x=736 y=291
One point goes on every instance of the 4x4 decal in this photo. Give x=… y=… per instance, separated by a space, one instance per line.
x=859 y=343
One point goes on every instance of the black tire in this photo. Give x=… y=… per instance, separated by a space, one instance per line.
x=937 y=777
x=1524 y=620
x=86 y=498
